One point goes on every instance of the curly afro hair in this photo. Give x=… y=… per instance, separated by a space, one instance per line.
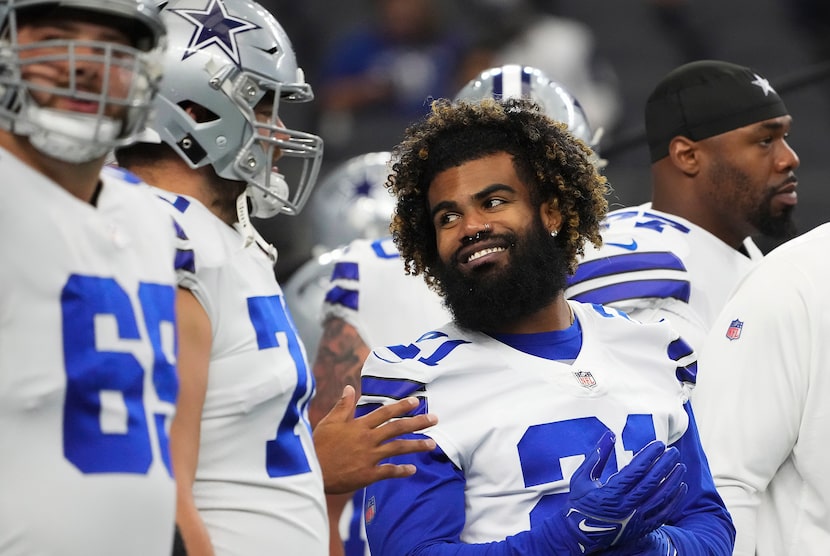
x=551 y=161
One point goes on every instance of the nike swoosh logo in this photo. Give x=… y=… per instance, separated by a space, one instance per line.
x=591 y=529
x=628 y=246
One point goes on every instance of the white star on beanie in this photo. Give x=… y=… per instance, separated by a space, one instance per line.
x=763 y=84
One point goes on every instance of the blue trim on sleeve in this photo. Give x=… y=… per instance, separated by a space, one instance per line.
x=636 y=289
x=342 y=296
x=390 y=388
x=344 y=270
x=625 y=263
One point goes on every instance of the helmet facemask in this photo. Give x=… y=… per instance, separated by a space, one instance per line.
x=111 y=84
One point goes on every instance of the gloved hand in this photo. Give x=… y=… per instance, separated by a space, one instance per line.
x=632 y=503
x=656 y=543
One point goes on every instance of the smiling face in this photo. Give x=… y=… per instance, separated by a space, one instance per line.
x=78 y=57
x=494 y=275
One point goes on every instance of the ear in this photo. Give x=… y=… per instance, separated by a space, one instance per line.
x=551 y=215
x=685 y=154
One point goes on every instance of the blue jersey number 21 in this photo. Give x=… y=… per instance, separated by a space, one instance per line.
x=284 y=455
x=93 y=372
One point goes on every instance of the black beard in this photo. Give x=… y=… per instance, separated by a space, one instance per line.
x=488 y=300
x=776 y=227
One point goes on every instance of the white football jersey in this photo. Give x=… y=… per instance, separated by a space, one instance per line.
x=515 y=427
x=370 y=290
x=258 y=483
x=655 y=265
x=87 y=368
x=762 y=401
x=365 y=285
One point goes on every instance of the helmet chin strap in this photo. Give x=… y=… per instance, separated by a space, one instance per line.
x=248 y=231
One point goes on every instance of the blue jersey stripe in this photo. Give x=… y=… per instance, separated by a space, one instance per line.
x=687 y=373
x=366 y=408
x=388 y=387
x=179 y=230
x=342 y=296
x=636 y=289
x=628 y=262
x=345 y=271
x=185 y=260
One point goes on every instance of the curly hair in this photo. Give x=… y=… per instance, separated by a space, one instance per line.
x=553 y=163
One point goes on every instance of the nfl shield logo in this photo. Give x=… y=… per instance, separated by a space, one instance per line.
x=585 y=378
x=734 y=330
x=369 y=514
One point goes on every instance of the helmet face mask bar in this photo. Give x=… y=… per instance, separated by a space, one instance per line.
x=121 y=91
x=239 y=80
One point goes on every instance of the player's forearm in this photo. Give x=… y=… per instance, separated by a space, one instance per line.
x=338 y=363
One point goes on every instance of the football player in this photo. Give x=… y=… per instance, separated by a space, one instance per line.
x=722 y=170
x=566 y=428
x=249 y=480
x=87 y=286
x=370 y=300
x=766 y=376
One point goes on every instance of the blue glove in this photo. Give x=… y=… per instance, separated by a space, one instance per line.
x=656 y=543
x=632 y=503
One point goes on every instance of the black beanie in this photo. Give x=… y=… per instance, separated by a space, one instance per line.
x=706 y=98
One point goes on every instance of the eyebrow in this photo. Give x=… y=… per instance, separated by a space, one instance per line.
x=483 y=194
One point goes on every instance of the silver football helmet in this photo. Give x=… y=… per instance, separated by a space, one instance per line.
x=516 y=81
x=231 y=60
x=115 y=110
x=352 y=202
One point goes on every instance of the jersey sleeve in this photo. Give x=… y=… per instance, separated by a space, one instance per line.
x=702 y=525
x=752 y=389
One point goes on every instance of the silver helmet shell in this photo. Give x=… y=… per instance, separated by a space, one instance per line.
x=516 y=81
x=352 y=202
x=233 y=60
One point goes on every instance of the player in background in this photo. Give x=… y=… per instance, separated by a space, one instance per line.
x=722 y=171
x=370 y=300
x=87 y=286
x=249 y=480
x=565 y=427
x=349 y=203
x=762 y=401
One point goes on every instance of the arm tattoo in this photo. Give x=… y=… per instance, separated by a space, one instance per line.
x=339 y=360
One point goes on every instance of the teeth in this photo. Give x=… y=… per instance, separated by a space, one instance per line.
x=479 y=254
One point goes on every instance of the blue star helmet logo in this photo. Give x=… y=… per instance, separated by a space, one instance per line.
x=363 y=188
x=215 y=26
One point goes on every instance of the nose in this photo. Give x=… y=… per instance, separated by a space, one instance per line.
x=86 y=60
x=475 y=232
x=789 y=160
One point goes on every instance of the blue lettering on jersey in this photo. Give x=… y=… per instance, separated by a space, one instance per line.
x=542 y=448
x=284 y=454
x=648 y=220
x=90 y=372
x=385 y=248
